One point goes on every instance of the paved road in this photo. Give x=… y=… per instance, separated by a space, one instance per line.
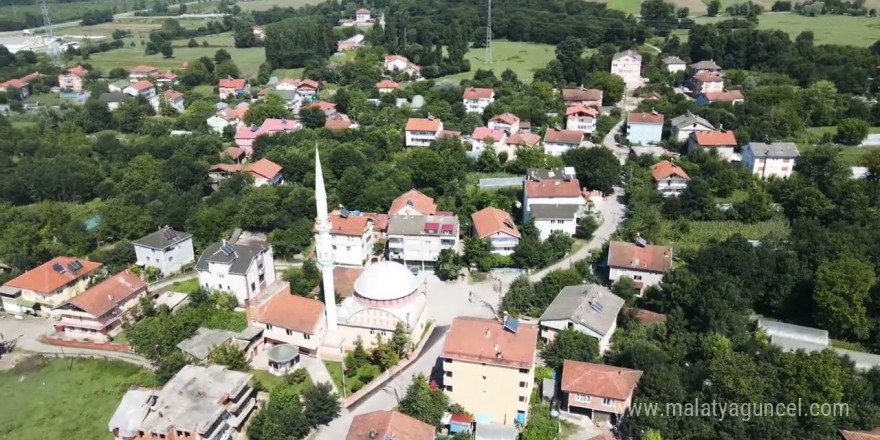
x=608 y=142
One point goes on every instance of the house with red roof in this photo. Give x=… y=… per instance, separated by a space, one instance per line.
x=476 y=100
x=263 y=171
x=140 y=72
x=398 y=63
x=601 y=392
x=287 y=318
x=228 y=117
x=644 y=128
x=387 y=86
x=174 y=99
x=144 y=89
x=483 y=137
x=339 y=121
x=584 y=97
x=362 y=16
x=275 y=126
x=557 y=142
x=303 y=87
x=328 y=108
x=73 y=78
x=48 y=285
x=167 y=79
x=98 y=313
x=245 y=137
x=352 y=234
x=644 y=263
x=560 y=191
x=671 y=180
x=421 y=132
x=497 y=227
x=581 y=118
x=384 y=425
x=723 y=142
x=230 y=87
x=732 y=97
x=16 y=87
x=507 y=122
x=413 y=202
x=707 y=82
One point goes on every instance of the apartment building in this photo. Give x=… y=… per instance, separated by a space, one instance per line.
x=488 y=367
x=628 y=66
x=420 y=238
x=97 y=314
x=48 y=285
x=421 y=132
x=558 y=189
x=166 y=249
x=240 y=268
x=496 y=227
x=770 y=160
x=352 y=235
x=198 y=403
x=581 y=118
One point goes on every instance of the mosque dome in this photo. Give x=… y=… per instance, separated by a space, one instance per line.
x=385 y=281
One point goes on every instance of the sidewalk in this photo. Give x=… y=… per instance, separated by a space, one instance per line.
x=318 y=371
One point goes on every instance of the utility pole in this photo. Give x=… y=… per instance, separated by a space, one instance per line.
x=489 y=32
x=47 y=23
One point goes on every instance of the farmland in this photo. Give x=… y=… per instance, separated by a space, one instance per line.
x=690 y=236
x=61 y=12
x=522 y=58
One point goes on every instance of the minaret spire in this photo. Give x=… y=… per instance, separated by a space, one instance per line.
x=324 y=246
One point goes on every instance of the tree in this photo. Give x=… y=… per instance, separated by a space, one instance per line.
x=713 y=8
x=851 y=131
x=586 y=227
x=570 y=344
x=221 y=56
x=270 y=107
x=293 y=42
x=423 y=403
x=192 y=43
x=448 y=264
x=167 y=50
x=321 y=404
x=625 y=288
x=478 y=252
x=841 y=296
x=400 y=341
x=597 y=168
x=226 y=69
x=612 y=85
x=529 y=253
x=282 y=419
x=229 y=355
x=568 y=53
x=312 y=117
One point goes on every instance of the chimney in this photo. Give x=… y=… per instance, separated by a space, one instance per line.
x=110 y=297
x=721 y=127
x=373 y=433
x=505 y=316
x=224 y=242
x=487 y=333
x=496 y=348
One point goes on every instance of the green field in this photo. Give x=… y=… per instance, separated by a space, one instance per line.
x=690 y=236
x=522 y=58
x=61 y=12
x=850 y=156
x=248 y=60
x=827 y=29
x=64 y=399
x=262 y=5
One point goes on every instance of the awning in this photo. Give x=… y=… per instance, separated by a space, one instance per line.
x=456 y=428
x=521 y=418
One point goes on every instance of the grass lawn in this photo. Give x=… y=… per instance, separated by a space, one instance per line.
x=629 y=6
x=45 y=99
x=24 y=125
x=61 y=12
x=120 y=338
x=270 y=381
x=827 y=29
x=43 y=399
x=262 y=5
x=204 y=90
x=522 y=58
x=188 y=286
x=689 y=237
x=288 y=73
x=335 y=370
x=850 y=156
x=474 y=178
x=248 y=60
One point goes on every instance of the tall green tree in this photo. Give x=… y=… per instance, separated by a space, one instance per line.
x=571 y=345
x=229 y=355
x=293 y=42
x=321 y=404
x=597 y=168
x=423 y=403
x=841 y=296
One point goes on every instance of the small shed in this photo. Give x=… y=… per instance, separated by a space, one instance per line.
x=461 y=423
x=283 y=359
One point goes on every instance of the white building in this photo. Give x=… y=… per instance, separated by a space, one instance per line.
x=774 y=160
x=228 y=117
x=561 y=190
x=144 y=89
x=674 y=64
x=352 y=237
x=551 y=218
x=483 y=138
x=557 y=142
x=48 y=285
x=506 y=122
x=671 y=180
x=476 y=100
x=587 y=308
x=682 y=126
x=421 y=132
x=241 y=268
x=722 y=142
x=497 y=227
x=420 y=238
x=288 y=318
x=166 y=249
x=644 y=128
x=628 y=65
x=581 y=118
x=397 y=63
x=644 y=263
x=362 y=16
x=707 y=82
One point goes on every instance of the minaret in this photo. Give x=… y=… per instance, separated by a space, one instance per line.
x=324 y=246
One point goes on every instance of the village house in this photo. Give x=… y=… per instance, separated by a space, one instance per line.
x=682 y=126
x=238 y=155
x=118 y=85
x=16 y=87
x=601 y=392
x=386 y=425
x=352 y=236
x=174 y=99
x=564 y=189
x=263 y=172
x=328 y=108
x=275 y=126
x=348 y=44
x=387 y=86
x=551 y=218
x=288 y=319
x=362 y=15
x=488 y=367
x=671 y=180
x=483 y=138
x=292 y=100
x=705 y=67
x=142 y=72
x=143 y=89
x=228 y=117
x=584 y=97
x=496 y=227
x=628 y=65
x=580 y=118
x=413 y=202
x=339 y=121
x=732 y=97
x=243 y=269
x=644 y=263
x=165 y=249
x=557 y=142
x=421 y=132
x=245 y=138
x=49 y=284
x=674 y=64
x=420 y=238
x=228 y=88
x=304 y=87
x=73 y=78
x=705 y=82
x=590 y=309
x=114 y=99
x=874 y=434
x=97 y=314
x=197 y=403
x=723 y=142
x=521 y=140
x=506 y=122
x=476 y=100
x=644 y=128
x=397 y=63
x=259 y=32
x=770 y=160
x=167 y=79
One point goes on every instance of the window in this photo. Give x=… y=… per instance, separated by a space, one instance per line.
x=522 y=384
x=448 y=374
x=522 y=370
x=447 y=360
x=449 y=388
x=170 y=257
x=583 y=398
x=637 y=277
x=484 y=377
x=522 y=398
x=608 y=402
x=253 y=286
x=372 y=332
x=268 y=326
x=307 y=336
x=289 y=332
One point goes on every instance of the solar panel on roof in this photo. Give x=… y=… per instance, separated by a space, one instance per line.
x=227 y=249
x=344 y=213
x=597 y=306
x=410 y=203
x=511 y=324
x=76 y=265
x=641 y=242
x=169 y=234
x=59 y=268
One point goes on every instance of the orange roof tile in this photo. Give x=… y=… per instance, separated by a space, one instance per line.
x=143 y=69
x=380 y=221
x=860 y=435
x=78 y=70
x=323 y=105
x=142 y=85
x=478 y=93
x=728 y=96
x=344 y=278
x=582 y=95
x=599 y=380
x=488 y=221
x=648 y=258
x=337 y=122
x=705 y=76
x=420 y=202
x=486 y=341
x=714 y=138
x=264 y=168
x=387 y=84
x=423 y=124
x=572 y=137
x=388 y=425
x=172 y=94
x=290 y=312
x=104 y=296
x=580 y=109
x=237 y=84
x=553 y=188
x=233 y=152
x=506 y=118
x=665 y=169
x=45 y=279
x=644 y=118
x=353 y=225
x=15 y=83
x=528 y=139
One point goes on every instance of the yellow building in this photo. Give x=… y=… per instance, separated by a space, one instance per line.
x=488 y=368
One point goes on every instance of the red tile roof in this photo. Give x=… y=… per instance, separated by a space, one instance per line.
x=324 y=106
x=272 y=125
x=665 y=169
x=486 y=341
x=233 y=152
x=31 y=76
x=728 y=96
x=337 y=122
x=104 y=296
x=705 y=77
x=264 y=168
x=553 y=188
x=528 y=139
x=143 y=69
x=173 y=95
x=353 y=225
x=343 y=280
x=167 y=75
x=506 y=118
x=15 y=83
x=248 y=133
x=78 y=70
x=478 y=93
x=714 y=138
x=227 y=167
x=388 y=425
x=599 y=380
x=644 y=118
x=488 y=221
x=860 y=435
x=233 y=113
x=387 y=84
x=580 y=109
x=420 y=202
x=45 y=279
x=391 y=58
x=236 y=84
x=649 y=258
x=462 y=418
x=142 y=85
x=423 y=124
x=362 y=11
x=572 y=137
x=582 y=95
x=380 y=221
x=308 y=84
x=484 y=133
x=291 y=312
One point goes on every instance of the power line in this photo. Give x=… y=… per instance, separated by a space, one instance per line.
x=489 y=33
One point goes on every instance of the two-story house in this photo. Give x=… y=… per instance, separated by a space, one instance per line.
x=732 y=97
x=228 y=117
x=476 y=100
x=165 y=249
x=142 y=72
x=352 y=236
x=167 y=79
x=496 y=227
x=557 y=142
x=601 y=392
x=587 y=308
x=644 y=128
x=263 y=172
x=705 y=67
x=671 y=180
x=240 y=268
x=644 y=263
x=382 y=425
x=73 y=78
x=556 y=217
x=397 y=63
x=362 y=16
x=674 y=64
x=48 y=285
x=413 y=202
x=581 y=118
x=488 y=367
x=485 y=137
x=420 y=238
x=628 y=65
x=770 y=160
x=387 y=86
x=584 y=97
x=303 y=87
x=706 y=82
x=557 y=190
x=682 y=126
x=421 y=132
x=174 y=99
x=289 y=319
x=506 y=122
x=723 y=142
x=142 y=89
x=16 y=87
x=98 y=313
x=229 y=87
